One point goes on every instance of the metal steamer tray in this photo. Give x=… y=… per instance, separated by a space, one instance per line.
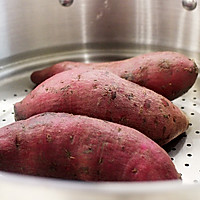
x=15 y=84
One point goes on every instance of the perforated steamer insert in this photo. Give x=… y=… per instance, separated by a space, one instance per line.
x=184 y=151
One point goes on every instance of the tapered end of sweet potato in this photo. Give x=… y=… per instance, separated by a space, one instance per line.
x=18 y=112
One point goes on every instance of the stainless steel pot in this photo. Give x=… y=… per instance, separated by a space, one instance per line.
x=36 y=34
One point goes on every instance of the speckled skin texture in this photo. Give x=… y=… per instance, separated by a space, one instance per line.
x=77 y=147
x=170 y=74
x=104 y=95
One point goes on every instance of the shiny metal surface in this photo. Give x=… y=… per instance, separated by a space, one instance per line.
x=28 y=26
x=36 y=34
x=189 y=4
x=66 y=2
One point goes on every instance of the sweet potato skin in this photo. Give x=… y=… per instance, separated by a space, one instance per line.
x=66 y=146
x=104 y=95
x=170 y=74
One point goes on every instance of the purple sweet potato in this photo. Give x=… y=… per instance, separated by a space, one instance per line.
x=170 y=74
x=76 y=147
x=104 y=95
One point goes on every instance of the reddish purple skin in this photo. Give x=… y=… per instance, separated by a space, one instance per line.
x=73 y=147
x=104 y=95
x=170 y=74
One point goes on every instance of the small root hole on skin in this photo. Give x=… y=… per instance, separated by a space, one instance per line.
x=17 y=141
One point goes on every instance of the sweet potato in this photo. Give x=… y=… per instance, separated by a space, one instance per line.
x=73 y=147
x=104 y=95
x=170 y=74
